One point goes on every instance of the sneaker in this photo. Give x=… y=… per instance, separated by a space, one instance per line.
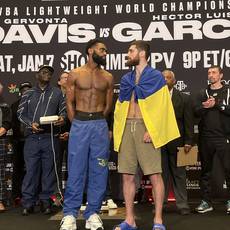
x=94 y=223
x=68 y=223
x=228 y=207
x=27 y=211
x=111 y=204
x=83 y=207
x=112 y=212
x=204 y=207
x=104 y=206
x=45 y=208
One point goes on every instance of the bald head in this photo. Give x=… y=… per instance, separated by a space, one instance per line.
x=170 y=78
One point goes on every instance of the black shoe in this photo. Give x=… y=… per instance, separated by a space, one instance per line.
x=47 y=211
x=185 y=211
x=27 y=211
x=45 y=208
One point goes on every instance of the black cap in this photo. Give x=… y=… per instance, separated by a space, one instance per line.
x=50 y=68
x=25 y=84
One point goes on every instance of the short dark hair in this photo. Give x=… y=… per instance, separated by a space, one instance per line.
x=216 y=67
x=62 y=72
x=25 y=84
x=92 y=43
x=142 y=45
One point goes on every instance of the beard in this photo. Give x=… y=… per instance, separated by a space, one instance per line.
x=98 y=59
x=133 y=62
x=213 y=81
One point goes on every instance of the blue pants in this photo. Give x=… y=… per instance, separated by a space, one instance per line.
x=88 y=155
x=40 y=173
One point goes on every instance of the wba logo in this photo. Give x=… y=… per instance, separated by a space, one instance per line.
x=180 y=85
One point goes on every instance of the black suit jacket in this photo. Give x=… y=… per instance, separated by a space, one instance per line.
x=184 y=115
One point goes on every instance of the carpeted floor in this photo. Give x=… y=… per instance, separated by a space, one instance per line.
x=216 y=220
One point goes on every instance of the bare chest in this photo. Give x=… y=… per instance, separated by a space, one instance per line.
x=93 y=81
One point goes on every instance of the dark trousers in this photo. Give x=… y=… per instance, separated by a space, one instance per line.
x=177 y=175
x=2 y=178
x=18 y=168
x=3 y=152
x=108 y=194
x=208 y=148
x=40 y=171
x=63 y=155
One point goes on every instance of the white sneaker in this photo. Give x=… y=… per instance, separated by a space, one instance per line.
x=68 y=223
x=104 y=206
x=111 y=204
x=228 y=207
x=83 y=208
x=204 y=207
x=94 y=223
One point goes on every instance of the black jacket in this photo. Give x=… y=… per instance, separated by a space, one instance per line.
x=222 y=107
x=5 y=115
x=36 y=103
x=185 y=120
x=17 y=126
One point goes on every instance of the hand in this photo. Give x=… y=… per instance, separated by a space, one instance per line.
x=209 y=103
x=147 y=138
x=2 y=131
x=64 y=136
x=35 y=128
x=187 y=148
x=60 y=121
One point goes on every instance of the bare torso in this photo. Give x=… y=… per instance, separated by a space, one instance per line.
x=134 y=109
x=91 y=89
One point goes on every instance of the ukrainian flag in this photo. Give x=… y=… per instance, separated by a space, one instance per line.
x=153 y=98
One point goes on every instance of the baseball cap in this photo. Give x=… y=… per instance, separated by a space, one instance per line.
x=25 y=84
x=50 y=68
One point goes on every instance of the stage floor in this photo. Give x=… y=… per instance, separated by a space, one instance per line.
x=218 y=219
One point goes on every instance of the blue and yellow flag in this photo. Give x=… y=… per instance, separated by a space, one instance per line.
x=153 y=98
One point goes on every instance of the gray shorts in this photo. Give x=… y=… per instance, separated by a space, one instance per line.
x=134 y=150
